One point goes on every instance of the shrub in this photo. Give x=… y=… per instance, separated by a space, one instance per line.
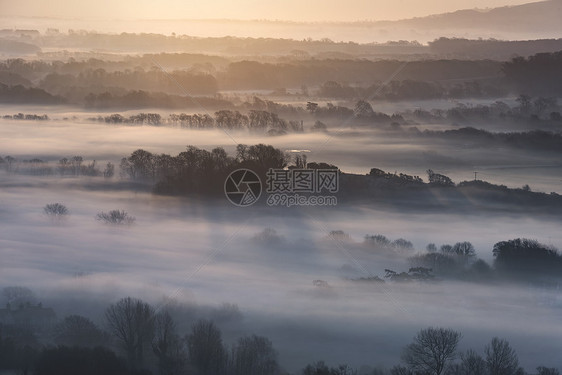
x=115 y=217
x=55 y=210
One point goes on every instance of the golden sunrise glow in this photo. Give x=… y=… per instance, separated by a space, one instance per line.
x=293 y=10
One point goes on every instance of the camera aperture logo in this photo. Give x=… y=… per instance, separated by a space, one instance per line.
x=285 y=187
x=243 y=187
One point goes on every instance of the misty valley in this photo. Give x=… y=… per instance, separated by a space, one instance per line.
x=268 y=205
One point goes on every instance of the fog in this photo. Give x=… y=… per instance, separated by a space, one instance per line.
x=444 y=147
x=206 y=254
x=353 y=150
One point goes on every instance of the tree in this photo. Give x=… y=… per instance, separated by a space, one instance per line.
x=431 y=350
x=471 y=364
x=319 y=126
x=378 y=241
x=525 y=256
x=167 y=345
x=431 y=248
x=115 y=217
x=439 y=179
x=131 y=321
x=141 y=164
x=320 y=368
x=311 y=107
x=465 y=251
x=109 y=170
x=363 y=110
x=402 y=245
x=501 y=359
x=254 y=355
x=55 y=210
x=76 y=163
x=525 y=103
x=76 y=330
x=206 y=351
x=16 y=295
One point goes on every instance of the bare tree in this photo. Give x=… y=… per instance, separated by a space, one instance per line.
x=431 y=350
x=501 y=357
x=115 y=217
x=206 y=350
x=131 y=321
x=55 y=211
x=254 y=355
x=167 y=345
x=471 y=364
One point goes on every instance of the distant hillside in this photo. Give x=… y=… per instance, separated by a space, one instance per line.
x=527 y=21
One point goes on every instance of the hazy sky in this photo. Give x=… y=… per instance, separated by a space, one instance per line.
x=297 y=10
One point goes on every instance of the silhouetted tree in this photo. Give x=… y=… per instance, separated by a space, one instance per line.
x=431 y=350
x=115 y=217
x=206 y=351
x=254 y=355
x=472 y=364
x=464 y=251
x=131 y=321
x=501 y=359
x=320 y=368
x=439 y=179
x=167 y=345
x=55 y=210
x=109 y=170
x=524 y=257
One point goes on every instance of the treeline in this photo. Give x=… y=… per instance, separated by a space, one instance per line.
x=538 y=74
x=67 y=166
x=522 y=260
x=138 y=86
x=494 y=49
x=201 y=172
x=257 y=113
x=531 y=140
x=529 y=109
x=255 y=121
x=234 y=46
x=143 y=99
x=29 y=116
x=137 y=338
x=138 y=79
x=443 y=47
x=256 y=75
x=19 y=94
x=413 y=89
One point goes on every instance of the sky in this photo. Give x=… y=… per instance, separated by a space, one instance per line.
x=290 y=10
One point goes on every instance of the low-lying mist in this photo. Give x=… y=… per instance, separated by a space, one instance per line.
x=352 y=150
x=204 y=254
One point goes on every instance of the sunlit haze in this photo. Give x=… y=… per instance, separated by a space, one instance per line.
x=291 y=10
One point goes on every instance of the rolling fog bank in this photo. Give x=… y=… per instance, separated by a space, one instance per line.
x=352 y=150
x=204 y=254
